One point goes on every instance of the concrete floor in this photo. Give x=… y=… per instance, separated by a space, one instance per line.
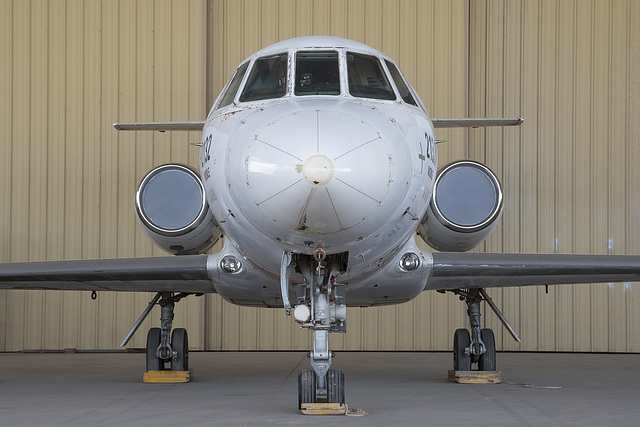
x=260 y=389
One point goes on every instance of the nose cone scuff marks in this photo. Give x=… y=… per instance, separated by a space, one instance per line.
x=318 y=171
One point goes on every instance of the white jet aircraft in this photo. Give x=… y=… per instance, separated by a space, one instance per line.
x=318 y=166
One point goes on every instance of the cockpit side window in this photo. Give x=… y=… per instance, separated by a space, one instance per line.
x=317 y=73
x=405 y=94
x=230 y=94
x=367 y=79
x=267 y=80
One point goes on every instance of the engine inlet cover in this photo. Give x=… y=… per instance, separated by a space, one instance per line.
x=170 y=199
x=172 y=207
x=466 y=202
x=467 y=196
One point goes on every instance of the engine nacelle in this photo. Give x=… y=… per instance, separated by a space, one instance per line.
x=172 y=207
x=465 y=206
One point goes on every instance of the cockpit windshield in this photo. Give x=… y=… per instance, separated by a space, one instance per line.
x=230 y=94
x=317 y=73
x=367 y=79
x=267 y=80
x=405 y=93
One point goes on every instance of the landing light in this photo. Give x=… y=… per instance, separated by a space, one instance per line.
x=230 y=264
x=302 y=313
x=409 y=261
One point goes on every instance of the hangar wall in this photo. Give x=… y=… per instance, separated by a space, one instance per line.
x=571 y=68
x=69 y=70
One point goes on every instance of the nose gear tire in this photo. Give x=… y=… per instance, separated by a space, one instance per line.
x=306 y=387
x=335 y=386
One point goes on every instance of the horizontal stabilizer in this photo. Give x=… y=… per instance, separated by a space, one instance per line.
x=474 y=123
x=160 y=126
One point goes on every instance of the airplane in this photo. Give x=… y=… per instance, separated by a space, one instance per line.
x=318 y=167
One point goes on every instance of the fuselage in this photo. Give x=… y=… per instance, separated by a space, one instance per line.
x=318 y=143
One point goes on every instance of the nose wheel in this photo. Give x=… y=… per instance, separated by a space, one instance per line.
x=308 y=383
x=306 y=387
x=335 y=386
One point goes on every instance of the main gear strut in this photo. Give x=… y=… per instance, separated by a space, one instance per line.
x=479 y=346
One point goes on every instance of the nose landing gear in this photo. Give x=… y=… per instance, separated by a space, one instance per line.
x=321 y=307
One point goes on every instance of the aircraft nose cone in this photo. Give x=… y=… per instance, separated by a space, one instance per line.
x=318 y=171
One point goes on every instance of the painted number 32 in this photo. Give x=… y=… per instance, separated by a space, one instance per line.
x=206 y=149
x=431 y=146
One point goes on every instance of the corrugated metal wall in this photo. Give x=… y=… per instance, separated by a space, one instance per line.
x=571 y=68
x=70 y=69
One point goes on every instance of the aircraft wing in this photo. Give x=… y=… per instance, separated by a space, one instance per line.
x=193 y=273
x=455 y=270
x=160 y=126
x=437 y=123
x=187 y=273
x=474 y=123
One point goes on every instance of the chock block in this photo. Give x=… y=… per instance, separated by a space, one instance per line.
x=475 y=377
x=168 y=377
x=323 y=409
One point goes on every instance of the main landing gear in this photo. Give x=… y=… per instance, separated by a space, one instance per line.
x=164 y=347
x=320 y=306
x=479 y=346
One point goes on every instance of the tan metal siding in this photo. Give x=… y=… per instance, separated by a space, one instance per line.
x=75 y=67
x=568 y=68
x=633 y=178
x=6 y=68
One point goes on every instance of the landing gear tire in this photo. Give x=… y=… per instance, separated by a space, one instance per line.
x=461 y=359
x=180 y=345
x=335 y=386
x=153 y=342
x=306 y=387
x=487 y=361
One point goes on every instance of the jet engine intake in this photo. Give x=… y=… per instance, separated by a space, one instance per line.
x=172 y=208
x=465 y=206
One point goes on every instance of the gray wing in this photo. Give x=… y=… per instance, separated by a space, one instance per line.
x=452 y=270
x=160 y=126
x=474 y=123
x=186 y=273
